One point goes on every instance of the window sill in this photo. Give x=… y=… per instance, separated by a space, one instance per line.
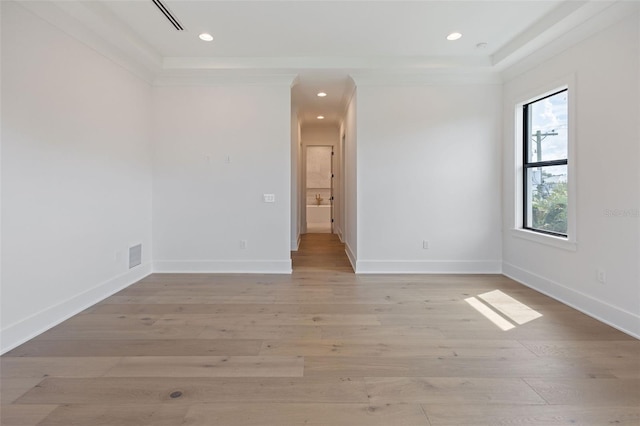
x=549 y=240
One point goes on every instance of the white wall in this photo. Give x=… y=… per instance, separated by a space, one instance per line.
x=295 y=177
x=218 y=149
x=338 y=203
x=320 y=134
x=429 y=169
x=606 y=93
x=76 y=176
x=350 y=229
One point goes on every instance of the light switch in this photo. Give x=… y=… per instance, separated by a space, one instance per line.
x=269 y=198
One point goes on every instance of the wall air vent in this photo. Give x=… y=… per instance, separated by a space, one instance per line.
x=135 y=256
x=167 y=13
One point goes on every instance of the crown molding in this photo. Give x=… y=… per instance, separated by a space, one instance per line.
x=544 y=30
x=293 y=64
x=363 y=70
x=248 y=77
x=602 y=14
x=432 y=77
x=328 y=63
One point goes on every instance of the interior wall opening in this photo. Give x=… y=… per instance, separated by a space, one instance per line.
x=322 y=123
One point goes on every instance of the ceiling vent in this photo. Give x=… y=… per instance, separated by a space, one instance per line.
x=167 y=13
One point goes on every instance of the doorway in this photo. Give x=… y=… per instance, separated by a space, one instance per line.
x=319 y=189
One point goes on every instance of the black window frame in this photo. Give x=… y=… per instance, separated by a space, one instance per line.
x=526 y=164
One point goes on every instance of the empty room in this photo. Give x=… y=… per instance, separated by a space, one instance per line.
x=330 y=213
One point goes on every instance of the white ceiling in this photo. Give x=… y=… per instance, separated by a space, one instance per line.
x=323 y=42
x=330 y=28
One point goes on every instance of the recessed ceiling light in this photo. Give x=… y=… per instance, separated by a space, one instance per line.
x=322 y=94
x=206 y=37
x=320 y=117
x=454 y=36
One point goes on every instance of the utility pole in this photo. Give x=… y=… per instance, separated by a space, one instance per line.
x=539 y=137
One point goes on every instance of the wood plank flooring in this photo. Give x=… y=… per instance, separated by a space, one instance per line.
x=321 y=347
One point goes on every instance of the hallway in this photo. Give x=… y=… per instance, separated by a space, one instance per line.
x=320 y=252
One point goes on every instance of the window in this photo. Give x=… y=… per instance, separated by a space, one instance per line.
x=545 y=164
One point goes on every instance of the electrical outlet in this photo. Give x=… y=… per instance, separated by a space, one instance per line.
x=425 y=244
x=269 y=198
x=243 y=244
x=601 y=275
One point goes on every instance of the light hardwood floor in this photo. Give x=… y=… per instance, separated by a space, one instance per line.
x=321 y=347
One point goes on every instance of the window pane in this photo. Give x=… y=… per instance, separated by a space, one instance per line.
x=547 y=198
x=547 y=129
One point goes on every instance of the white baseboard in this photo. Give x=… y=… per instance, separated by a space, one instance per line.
x=428 y=267
x=350 y=255
x=28 y=328
x=223 y=266
x=627 y=322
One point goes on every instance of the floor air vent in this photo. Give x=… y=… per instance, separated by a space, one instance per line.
x=167 y=13
x=135 y=256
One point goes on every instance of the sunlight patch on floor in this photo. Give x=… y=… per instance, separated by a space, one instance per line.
x=489 y=314
x=510 y=307
x=502 y=309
